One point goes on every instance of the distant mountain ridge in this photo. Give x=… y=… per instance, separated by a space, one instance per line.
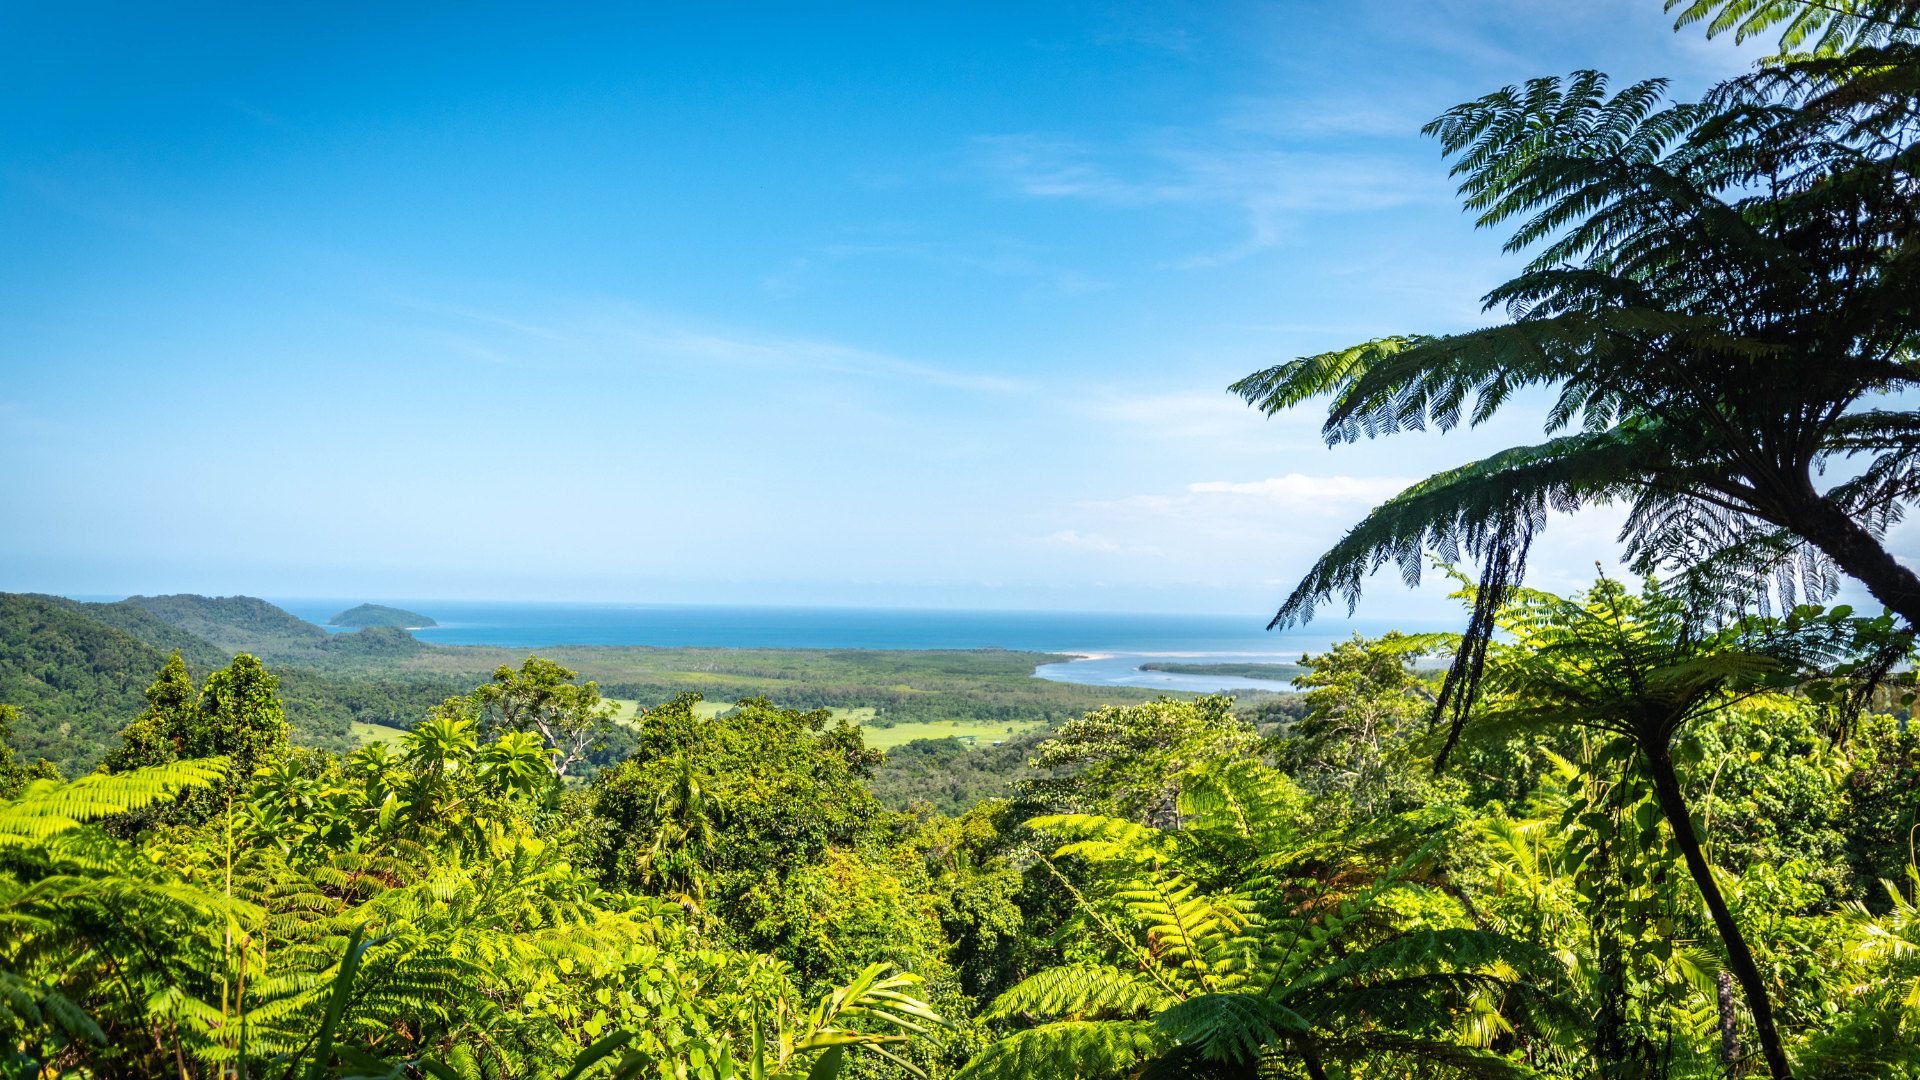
x=79 y=671
x=380 y=615
x=237 y=624
x=77 y=681
x=164 y=637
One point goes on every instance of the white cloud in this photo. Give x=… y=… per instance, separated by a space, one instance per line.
x=1297 y=490
x=1068 y=538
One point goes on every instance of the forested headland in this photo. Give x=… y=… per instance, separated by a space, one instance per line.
x=1276 y=672
x=380 y=615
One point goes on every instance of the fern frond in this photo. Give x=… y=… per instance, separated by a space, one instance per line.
x=1389 y=1053
x=47 y=807
x=1071 y=1050
x=1108 y=839
x=1081 y=989
x=1431 y=951
x=1231 y=1027
x=1243 y=798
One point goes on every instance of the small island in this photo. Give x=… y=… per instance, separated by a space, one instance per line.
x=1276 y=672
x=380 y=615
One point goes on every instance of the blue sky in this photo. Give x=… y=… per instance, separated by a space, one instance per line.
x=885 y=304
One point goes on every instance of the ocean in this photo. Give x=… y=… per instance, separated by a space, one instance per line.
x=1116 y=643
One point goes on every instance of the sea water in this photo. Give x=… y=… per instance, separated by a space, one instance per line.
x=1116 y=644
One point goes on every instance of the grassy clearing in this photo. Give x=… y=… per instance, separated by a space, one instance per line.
x=982 y=732
x=367 y=734
x=705 y=710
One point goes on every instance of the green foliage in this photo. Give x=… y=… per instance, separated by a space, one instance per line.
x=1822 y=29
x=538 y=699
x=1070 y=1048
x=13 y=775
x=1249 y=941
x=951 y=776
x=138 y=622
x=1764 y=790
x=75 y=672
x=1369 y=706
x=1879 y=802
x=1127 y=759
x=237 y=624
x=74 y=681
x=907 y=686
x=762 y=812
x=236 y=715
x=733 y=901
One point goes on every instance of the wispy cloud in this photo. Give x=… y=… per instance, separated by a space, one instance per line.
x=1265 y=184
x=598 y=332
x=998 y=255
x=1071 y=539
x=736 y=347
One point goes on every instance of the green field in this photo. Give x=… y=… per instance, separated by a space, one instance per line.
x=366 y=734
x=706 y=710
x=982 y=732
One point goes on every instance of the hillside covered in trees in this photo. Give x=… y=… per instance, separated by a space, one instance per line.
x=75 y=671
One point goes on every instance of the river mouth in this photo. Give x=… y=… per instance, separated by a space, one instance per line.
x=1123 y=669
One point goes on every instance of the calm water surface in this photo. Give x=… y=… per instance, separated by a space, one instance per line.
x=1119 y=642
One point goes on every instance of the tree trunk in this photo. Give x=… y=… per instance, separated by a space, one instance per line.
x=1859 y=555
x=1666 y=788
x=1729 y=1025
x=1311 y=1058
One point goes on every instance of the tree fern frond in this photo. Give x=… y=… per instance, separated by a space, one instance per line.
x=1232 y=1027
x=1449 y=950
x=1819 y=29
x=1464 y=509
x=1108 y=839
x=1078 y=989
x=1392 y=1053
x=1241 y=797
x=46 y=807
x=1301 y=380
x=1070 y=1050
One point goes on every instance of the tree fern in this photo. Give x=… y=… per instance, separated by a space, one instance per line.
x=1258 y=965
x=1715 y=288
x=1825 y=28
